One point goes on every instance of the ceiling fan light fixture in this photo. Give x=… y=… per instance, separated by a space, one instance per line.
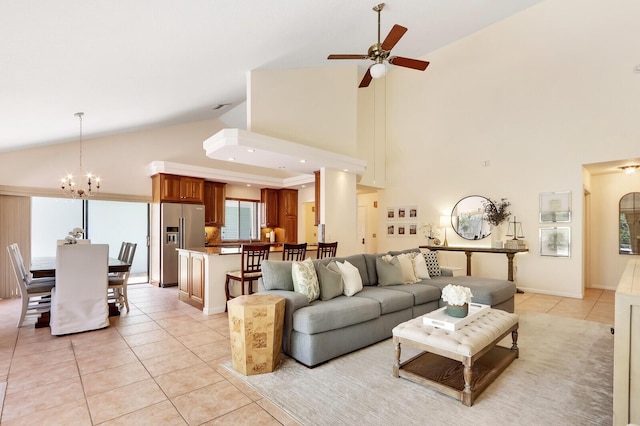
x=378 y=70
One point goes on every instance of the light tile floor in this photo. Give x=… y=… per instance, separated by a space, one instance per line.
x=160 y=364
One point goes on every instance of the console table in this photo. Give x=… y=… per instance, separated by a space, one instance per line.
x=470 y=250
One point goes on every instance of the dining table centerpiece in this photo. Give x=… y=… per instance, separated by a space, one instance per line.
x=458 y=298
x=74 y=235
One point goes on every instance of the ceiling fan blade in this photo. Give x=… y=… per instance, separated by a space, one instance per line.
x=393 y=37
x=348 y=57
x=415 y=64
x=366 y=79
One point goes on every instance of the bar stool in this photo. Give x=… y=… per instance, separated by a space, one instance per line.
x=327 y=250
x=251 y=267
x=296 y=252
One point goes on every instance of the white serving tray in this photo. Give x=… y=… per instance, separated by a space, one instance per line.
x=440 y=319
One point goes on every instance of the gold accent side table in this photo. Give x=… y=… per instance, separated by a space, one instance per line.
x=255 y=328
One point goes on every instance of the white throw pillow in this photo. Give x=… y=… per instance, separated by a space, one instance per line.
x=351 y=278
x=406 y=263
x=305 y=280
x=420 y=265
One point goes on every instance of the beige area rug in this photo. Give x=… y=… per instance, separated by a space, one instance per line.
x=564 y=376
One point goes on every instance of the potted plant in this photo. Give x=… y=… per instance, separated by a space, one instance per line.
x=458 y=299
x=496 y=212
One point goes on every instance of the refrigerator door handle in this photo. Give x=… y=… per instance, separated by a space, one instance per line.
x=181 y=232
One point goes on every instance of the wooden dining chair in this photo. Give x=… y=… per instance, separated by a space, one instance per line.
x=250 y=268
x=296 y=252
x=327 y=250
x=34 y=292
x=117 y=289
x=79 y=299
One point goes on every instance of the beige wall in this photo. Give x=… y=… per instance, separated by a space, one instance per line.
x=312 y=106
x=537 y=95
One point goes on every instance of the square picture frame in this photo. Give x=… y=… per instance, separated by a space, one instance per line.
x=555 y=207
x=555 y=241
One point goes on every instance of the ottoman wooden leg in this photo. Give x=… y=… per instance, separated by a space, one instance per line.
x=396 y=364
x=466 y=396
x=514 y=345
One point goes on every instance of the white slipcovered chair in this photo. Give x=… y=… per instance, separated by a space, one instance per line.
x=35 y=292
x=79 y=300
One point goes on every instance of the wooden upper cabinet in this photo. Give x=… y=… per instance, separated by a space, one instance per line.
x=288 y=201
x=214 y=203
x=269 y=208
x=177 y=189
x=317 y=188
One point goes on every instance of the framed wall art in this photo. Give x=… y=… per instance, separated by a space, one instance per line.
x=555 y=207
x=402 y=221
x=555 y=241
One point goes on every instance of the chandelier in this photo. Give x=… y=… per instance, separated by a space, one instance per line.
x=69 y=186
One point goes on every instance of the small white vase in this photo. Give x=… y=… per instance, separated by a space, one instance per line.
x=496 y=236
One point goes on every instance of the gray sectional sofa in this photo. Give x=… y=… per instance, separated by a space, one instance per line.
x=317 y=331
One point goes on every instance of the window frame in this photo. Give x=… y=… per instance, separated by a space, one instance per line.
x=254 y=232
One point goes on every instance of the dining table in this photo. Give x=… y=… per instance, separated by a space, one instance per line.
x=45 y=267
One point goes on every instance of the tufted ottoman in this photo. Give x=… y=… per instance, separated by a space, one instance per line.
x=459 y=363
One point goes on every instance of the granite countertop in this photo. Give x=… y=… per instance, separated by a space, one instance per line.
x=224 y=250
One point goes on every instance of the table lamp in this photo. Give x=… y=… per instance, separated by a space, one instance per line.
x=445 y=221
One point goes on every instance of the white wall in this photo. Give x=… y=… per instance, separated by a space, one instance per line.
x=537 y=95
x=119 y=160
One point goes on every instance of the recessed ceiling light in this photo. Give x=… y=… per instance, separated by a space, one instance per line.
x=304 y=186
x=303 y=161
x=251 y=150
x=232 y=159
x=345 y=170
x=248 y=184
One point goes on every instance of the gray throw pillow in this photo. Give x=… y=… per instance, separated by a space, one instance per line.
x=389 y=272
x=331 y=284
x=276 y=275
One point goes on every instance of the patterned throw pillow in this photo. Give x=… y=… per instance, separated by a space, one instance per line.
x=305 y=280
x=431 y=257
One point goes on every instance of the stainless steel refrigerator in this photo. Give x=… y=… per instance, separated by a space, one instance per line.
x=182 y=227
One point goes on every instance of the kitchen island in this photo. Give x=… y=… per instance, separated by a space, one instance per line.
x=202 y=272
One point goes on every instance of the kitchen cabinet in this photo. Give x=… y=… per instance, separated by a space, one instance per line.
x=214 y=203
x=288 y=218
x=191 y=270
x=177 y=189
x=268 y=208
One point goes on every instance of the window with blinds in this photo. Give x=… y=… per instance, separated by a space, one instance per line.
x=241 y=220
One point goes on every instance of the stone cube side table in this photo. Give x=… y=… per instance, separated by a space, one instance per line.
x=255 y=329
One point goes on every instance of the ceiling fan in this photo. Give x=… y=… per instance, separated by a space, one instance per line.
x=380 y=52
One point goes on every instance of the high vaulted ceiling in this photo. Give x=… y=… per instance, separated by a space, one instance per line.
x=137 y=64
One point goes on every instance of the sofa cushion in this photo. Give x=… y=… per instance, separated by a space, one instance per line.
x=431 y=257
x=488 y=291
x=305 y=280
x=350 y=278
x=339 y=312
x=331 y=284
x=422 y=291
x=389 y=271
x=276 y=275
x=390 y=301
